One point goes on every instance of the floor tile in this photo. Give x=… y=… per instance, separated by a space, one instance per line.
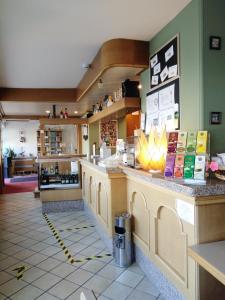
x=28 y=293
x=63 y=270
x=117 y=291
x=25 y=253
x=90 y=251
x=93 y=266
x=32 y=274
x=49 y=264
x=4 y=277
x=63 y=289
x=79 y=276
x=51 y=250
x=136 y=269
x=88 y=293
x=138 y=295
x=12 y=286
x=148 y=287
x=130 y=278
x=35 y=259
x=97 y=284
x=46 y=281
x=47 y=296
x=9 y=261
x=110 y=272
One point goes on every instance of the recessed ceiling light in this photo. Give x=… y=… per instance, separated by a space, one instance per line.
x=47 y=111
x=139 y=86
x=76 y=112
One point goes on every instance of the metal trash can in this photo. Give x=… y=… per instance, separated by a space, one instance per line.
x=122 y=243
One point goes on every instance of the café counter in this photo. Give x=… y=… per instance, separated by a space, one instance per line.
x=167 y=217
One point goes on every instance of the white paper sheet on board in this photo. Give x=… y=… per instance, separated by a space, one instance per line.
x=166 y=118
x=172 y=71
x=167 y=97
x=164 y=74
x=154 y=61
x=143 y=121
x=155 y=80
x=169 y=53
x=152 y=103
x=157 y=69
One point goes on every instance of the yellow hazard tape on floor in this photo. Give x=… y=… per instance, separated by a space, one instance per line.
x=70 y=258
x=20 y=270
x=76 y=228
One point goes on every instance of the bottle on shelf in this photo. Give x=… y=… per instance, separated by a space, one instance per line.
x=61 y=114
x=100 y=107
x=66 y=114
x=56 y=169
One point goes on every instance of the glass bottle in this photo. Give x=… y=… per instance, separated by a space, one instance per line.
x=61 y=114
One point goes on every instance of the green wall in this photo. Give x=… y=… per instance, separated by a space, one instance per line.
x=188 y=23
x=214 y=71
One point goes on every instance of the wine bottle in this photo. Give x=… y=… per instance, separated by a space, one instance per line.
x=61 y=114
x=66 y=114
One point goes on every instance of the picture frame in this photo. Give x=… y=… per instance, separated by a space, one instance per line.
x=215 y=118
x=215 y=42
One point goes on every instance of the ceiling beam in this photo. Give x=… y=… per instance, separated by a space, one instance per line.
x=38 y=95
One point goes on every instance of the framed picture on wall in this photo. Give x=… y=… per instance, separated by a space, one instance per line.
x=108 y=132
x=215 y=118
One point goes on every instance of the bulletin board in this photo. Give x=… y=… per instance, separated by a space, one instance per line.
x=163 y=106
x=164 y=64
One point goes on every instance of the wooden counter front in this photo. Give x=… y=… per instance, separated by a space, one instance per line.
x=166 y=222
x=104 y=192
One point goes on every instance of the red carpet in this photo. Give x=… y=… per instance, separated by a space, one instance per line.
x=19 y=187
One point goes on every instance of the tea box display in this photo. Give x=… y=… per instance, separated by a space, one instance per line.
x=187 y=155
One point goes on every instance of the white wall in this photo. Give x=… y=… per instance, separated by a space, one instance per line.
x=11 y=136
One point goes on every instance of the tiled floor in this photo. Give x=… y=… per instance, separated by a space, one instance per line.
x=25 y=239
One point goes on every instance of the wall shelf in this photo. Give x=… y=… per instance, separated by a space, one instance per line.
x=117 y=110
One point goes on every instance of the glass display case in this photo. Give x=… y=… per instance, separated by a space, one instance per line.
x=60 y=173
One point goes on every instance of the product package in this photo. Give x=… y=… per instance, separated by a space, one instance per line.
x=201 y=142
x=170 y=161
x=191 y=142
x=181 y=142
x=189 y=165
x=179 y=166
x=172 y=142
x=199 y=171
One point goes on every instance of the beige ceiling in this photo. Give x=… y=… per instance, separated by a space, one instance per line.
x=43 y=43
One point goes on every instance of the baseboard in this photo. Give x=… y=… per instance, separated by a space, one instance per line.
x=62 y=206
x=103 y=234
x=166 y=288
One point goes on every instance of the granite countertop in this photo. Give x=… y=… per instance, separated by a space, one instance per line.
x=94 y=163
x=212 y=187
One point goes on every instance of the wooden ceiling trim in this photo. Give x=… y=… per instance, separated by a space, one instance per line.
x=114 y=53
x=42 y=117
x=38 y=95
x=57 y=121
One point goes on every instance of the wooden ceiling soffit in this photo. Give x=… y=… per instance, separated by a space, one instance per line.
x=58 y=121
x=114 y=53
x=38 y=95
x=42 y=117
